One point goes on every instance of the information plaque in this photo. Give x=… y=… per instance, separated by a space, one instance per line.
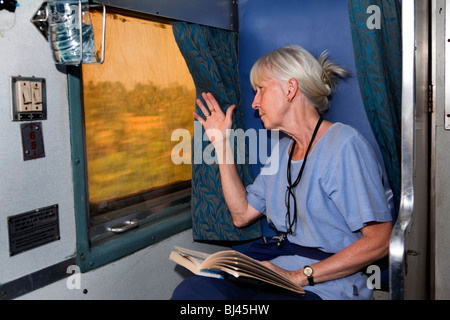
x=33 y=229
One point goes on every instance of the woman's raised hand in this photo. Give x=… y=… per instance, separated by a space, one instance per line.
x=217 y=125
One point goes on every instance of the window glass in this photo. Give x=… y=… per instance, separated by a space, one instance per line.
x=132 y=104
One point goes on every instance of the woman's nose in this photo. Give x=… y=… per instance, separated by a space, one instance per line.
x=256 y=101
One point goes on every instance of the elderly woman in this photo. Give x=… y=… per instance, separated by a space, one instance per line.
x=327 y=196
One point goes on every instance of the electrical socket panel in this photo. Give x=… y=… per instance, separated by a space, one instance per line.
x=28 y=95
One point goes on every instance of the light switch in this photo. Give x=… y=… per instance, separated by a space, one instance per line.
x=24 y=100
x=36 y=90
x=28 y=98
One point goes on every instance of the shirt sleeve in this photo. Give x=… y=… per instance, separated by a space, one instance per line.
x=256 y=194
x=355 y=184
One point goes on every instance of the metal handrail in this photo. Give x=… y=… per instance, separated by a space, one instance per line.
x=397 y=241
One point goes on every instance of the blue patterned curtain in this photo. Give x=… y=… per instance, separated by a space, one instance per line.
x=376 y=32
x=211 y=56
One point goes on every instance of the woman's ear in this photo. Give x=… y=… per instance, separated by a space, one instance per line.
x=291 y=89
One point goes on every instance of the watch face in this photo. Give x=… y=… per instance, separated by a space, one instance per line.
x=308 y=271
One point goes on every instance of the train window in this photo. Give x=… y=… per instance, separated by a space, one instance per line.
x=132 y=104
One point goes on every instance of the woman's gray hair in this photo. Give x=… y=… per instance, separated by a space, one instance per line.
x=316 y=79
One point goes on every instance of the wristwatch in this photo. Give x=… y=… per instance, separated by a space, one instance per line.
x=308 y=272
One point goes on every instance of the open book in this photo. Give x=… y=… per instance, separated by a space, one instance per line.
x=229 y=262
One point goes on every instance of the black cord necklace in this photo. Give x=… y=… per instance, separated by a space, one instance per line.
x=291 y=223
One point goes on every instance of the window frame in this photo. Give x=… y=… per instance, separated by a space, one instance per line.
x=90 y=254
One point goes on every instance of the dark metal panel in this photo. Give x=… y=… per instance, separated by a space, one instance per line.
x=33 y=229
x=217 y=13
x=32 y=141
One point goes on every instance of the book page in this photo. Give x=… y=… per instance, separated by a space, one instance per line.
x=192 y=253
x=238 y=264
x=232 y=263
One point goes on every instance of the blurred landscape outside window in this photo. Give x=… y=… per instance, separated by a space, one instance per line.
x=132 y=104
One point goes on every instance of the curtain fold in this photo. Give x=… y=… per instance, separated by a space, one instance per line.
x=376 y=33
x=211 y=55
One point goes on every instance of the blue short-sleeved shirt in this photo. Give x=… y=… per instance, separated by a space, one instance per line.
x=340 y=191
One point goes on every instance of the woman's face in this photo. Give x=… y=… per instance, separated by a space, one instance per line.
x=270 y=99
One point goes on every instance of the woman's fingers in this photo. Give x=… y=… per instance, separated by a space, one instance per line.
x=213 y=105
x=214 y=121
x=214 y=111
x=205 y=111
x=229 y=114
x=198 y=118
